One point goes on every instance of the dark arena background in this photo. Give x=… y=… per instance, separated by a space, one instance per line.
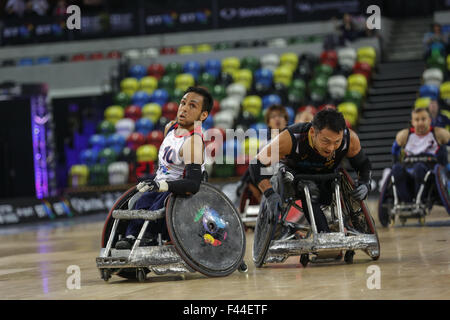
x=88 y=87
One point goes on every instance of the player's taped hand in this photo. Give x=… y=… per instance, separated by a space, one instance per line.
x=149 y=185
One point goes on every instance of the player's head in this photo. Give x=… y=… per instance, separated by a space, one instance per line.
x=195 y=105
x=421 y=120
x=327 y=131
x=276 y=117
x=433 y=107
x=436 y=27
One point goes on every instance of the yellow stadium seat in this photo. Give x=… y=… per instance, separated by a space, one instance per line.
x=147 y=152
x=114 y=114
x=423 y=102
x=350 y=112
x=185 y=50
x=129 y=85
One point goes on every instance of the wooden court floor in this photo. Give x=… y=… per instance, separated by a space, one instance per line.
x=414 y=264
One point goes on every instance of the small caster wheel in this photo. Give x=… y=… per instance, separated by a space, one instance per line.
x=243 y=267
x=403 y=221
x=141 y=276
x=392 y=221
x=304 y=259
x=348 y=258
x=105 y=274
x=422 y=221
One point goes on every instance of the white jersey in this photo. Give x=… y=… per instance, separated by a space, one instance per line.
x=417 y=145
x=171 y=164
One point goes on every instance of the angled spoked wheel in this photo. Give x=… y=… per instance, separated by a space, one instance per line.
x=264 y=233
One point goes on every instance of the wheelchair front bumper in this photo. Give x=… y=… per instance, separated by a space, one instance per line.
x=280 y=250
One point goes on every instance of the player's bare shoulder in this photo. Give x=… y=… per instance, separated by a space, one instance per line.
x=355 y=144
x=167 y=127
x=401 y=137
x=442 y=135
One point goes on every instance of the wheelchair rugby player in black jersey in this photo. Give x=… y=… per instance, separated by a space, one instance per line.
x=310 y=154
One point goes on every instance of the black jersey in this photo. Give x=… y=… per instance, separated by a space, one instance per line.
x=305 y=159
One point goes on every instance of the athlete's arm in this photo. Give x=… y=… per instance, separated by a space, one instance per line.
x=401 y=137
x=442 y=135
x=192 y=153
x=358 y=160
x=280 y=146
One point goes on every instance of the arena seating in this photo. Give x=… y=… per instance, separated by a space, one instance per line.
x=435 y=78
x=132 y=129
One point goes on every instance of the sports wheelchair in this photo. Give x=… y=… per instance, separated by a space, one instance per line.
x=432 y=191
x=351 y=225
x=248 y=206
x=206 y=235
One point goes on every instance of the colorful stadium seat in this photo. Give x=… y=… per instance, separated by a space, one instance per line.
x=422 y=102
x=78 y=175
x=140 y=98
x=184 y=81
x=430 y=91
x=148 y=84
x=129 y=85
x=433 y=76
x=125 y=127
x=152 y=111
x=350 y=112
x=337 y=86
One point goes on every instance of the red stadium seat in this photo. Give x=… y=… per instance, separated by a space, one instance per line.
x=215 y=108
x=170 y=110
x=135 y=140
x=167 y=51
x=155 y=138
x=329 y=57
x=78 y=57
x=133 y=112
x=114 y=55
x=96 y=56
x=363 y=68
x=156 y=70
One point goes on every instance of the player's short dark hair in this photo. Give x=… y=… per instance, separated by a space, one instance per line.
x=417 y=110
x=279 y=108
x=207 y=98
x=330 y=119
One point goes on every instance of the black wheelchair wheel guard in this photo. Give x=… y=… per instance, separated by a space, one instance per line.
x=383 y=201
x=441 y=184
x=264 y=233
x=207 y=231
x=364 y=222
x=121 y=203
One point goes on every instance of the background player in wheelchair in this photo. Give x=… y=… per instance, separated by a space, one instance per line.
x=315 y=150
x=418 y=176
x=249 y=196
